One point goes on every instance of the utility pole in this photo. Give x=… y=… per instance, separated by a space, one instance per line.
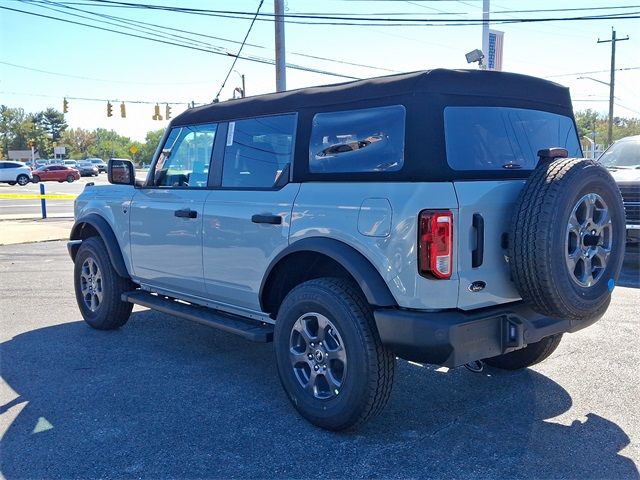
x=281 y=74
x=485 y=32
x=612 y=82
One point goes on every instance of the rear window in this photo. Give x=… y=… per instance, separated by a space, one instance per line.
x=500 y=138
x=365 y=140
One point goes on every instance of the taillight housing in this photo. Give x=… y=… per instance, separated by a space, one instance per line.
x=435 y=243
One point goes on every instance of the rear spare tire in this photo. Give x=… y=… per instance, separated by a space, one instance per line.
x=567 y=239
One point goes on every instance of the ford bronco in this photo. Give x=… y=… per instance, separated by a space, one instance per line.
x=440 y=216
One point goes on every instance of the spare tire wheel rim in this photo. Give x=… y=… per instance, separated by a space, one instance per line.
x=91 y=284
x=588 y=240
x=318 y=356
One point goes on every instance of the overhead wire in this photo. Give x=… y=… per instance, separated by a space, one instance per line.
x=217 y=97
x=167 y=42
x=164 y=27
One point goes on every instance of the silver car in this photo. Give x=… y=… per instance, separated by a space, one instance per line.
x=442 y=217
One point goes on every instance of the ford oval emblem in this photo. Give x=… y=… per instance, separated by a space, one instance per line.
x=477 y=286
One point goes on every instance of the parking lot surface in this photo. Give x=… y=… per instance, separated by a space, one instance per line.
x=165 y=398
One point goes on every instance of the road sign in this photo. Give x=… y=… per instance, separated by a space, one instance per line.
x=133 y=149
x=59 y=150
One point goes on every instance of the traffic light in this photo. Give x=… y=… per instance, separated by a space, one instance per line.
x=123 y=110
x=109 y=109
x=167 y=112
x=65 y=106
x=157 y=115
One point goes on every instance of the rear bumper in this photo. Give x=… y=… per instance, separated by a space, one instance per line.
x=455 y=337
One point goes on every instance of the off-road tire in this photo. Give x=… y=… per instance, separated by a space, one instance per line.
x=370 y=367
x=527 y=356
x=112 y=312
x=35 y=179
x=538 y=232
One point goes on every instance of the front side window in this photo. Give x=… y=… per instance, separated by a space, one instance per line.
x=501 y=138
x=185 y=157
x=257 y=151
x=365 y=140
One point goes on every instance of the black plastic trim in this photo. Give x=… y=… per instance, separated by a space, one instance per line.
x=455 y=337
x=108 y=237
x=365 y=274
x=477 y=254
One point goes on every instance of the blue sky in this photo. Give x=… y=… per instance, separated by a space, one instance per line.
x=121 y=68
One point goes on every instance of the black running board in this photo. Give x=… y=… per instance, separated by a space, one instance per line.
x=246 y=328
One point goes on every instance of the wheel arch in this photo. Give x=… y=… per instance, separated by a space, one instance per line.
x=323 y=255
x=93 y=225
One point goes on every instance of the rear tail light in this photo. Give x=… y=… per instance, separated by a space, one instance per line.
x=435 y=243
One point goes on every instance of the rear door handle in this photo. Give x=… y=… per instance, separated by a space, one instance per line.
x=267 y=218
x=477 y=255
x=186 y=213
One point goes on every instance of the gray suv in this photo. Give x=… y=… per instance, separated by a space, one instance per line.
x=434 y=216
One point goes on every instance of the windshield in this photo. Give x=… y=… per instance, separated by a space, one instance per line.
x=624 y=153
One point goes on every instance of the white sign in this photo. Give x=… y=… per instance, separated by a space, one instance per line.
x=494 y=55
x=59 y=150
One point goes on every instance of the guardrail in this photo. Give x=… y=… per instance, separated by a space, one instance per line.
x=42 y=196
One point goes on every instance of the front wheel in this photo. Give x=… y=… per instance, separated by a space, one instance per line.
x=22 y=180
x=527 y=356
x=70 y=179
x=330 y=359
x=99 y=288
x=35 y=179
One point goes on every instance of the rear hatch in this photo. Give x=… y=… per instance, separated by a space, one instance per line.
x=489 y=142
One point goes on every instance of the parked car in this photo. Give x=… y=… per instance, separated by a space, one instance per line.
x=622 y=159
x=14 y=172
x=60 y=173
x=433 y=216
x=41 y=162
x=69 y=163
x=98 y=162
x=87 y=169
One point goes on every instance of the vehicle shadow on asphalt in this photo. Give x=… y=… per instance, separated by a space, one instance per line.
x=630 y=274
x=164 y=398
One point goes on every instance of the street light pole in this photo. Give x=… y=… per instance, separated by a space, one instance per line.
x=613 y=79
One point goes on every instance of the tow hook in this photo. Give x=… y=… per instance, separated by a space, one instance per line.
x=476 y=366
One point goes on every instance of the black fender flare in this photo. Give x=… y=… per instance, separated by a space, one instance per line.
x=359 y=267
x=105 y=231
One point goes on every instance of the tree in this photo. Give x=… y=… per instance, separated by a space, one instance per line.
x=80 y=143
x=146 y=151
x=51 y=121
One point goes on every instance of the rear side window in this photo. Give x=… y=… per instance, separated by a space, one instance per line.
x=365 y=140
x=257 y=151
x=500 y=138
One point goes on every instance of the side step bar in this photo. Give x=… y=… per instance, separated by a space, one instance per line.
x=246 y=328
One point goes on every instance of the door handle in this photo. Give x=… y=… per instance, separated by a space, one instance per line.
x=267 y=218
x=477 y=255
x=186 y=213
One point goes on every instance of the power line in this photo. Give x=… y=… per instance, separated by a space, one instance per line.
x=355 y=21
x=164 y=27
x=166 y=42
x=587 y=73
x=217 y=98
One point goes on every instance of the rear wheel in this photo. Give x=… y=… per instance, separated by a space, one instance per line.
x=330 y=359
x=70 y=179
x=11 y=183
x=527 y=356
x=99 y=288
x=22 y=180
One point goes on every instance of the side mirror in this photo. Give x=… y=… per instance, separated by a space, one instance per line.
x=121 y=172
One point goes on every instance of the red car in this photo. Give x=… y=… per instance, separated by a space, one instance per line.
x=61 y=173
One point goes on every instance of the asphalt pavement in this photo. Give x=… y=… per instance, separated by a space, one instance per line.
x=165 y=398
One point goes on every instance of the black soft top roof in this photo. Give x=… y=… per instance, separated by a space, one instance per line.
x=478 y=83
